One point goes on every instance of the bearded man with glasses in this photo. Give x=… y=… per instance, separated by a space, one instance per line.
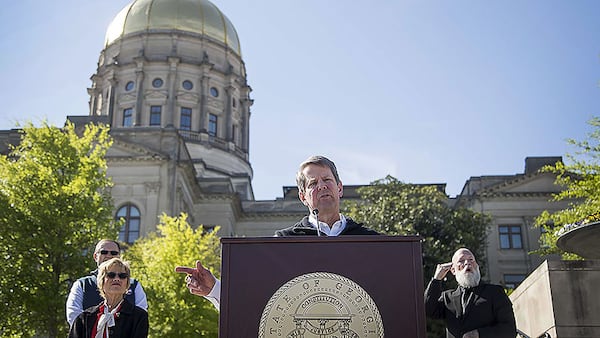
x=474 y=309
x=84 y=292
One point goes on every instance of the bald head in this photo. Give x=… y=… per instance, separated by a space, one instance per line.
x=462 y=252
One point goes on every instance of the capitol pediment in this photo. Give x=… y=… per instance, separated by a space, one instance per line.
x=539 y=182
x=156 y=95
x=188 y=97
x=131 y=151
x=218 y=105
x=127 y=97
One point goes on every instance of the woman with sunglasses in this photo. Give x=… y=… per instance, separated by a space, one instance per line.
x=114 y=317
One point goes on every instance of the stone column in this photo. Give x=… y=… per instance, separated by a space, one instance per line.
x=139 y=84
x=171 y=84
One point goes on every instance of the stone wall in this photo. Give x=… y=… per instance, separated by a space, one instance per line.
x=561 y=298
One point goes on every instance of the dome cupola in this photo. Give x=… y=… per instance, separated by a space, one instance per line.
x=175 y=66
x=192 y=16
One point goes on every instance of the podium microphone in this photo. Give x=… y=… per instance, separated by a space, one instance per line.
x=316 y=213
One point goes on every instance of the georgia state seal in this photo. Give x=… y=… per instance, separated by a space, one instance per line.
x=321 y=304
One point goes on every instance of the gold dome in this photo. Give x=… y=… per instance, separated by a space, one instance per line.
x=195 y=16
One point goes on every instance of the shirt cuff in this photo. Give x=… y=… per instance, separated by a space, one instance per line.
x=215 y=292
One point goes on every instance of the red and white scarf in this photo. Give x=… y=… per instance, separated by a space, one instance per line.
x=107 y=319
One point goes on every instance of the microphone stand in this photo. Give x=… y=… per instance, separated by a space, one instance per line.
x=316 y=213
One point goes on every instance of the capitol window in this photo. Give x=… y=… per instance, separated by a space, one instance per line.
x=157 y=83
x=512 y=281
x=187 y=85
x=129 y=214
x=155 y=112
x=127 y=117
x=510 y=237
x=212 y=124
x=185 y=122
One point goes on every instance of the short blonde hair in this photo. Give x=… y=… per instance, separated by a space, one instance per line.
x=103 y=270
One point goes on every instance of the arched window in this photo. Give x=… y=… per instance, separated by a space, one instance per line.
x=130 y=231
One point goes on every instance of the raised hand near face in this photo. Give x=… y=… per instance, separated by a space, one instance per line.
x=441 y=270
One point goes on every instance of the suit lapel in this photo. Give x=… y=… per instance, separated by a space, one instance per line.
x=456 y=302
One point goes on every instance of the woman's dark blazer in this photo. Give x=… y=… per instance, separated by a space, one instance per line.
x=131 y=322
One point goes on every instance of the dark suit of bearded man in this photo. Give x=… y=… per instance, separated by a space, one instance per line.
x=488 y=310
x=474 y=309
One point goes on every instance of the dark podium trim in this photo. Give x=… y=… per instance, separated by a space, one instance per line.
x=388 y=268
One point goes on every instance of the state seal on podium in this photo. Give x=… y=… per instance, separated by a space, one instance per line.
x=321 y=304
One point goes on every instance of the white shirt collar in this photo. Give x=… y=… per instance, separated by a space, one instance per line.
x=335 y=230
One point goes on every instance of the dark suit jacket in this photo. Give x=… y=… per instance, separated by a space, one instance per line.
x=489 y=311
x=132 y=322
x=304 y=228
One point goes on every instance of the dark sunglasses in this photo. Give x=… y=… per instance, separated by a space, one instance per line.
x=105 y=252
x=122 y=275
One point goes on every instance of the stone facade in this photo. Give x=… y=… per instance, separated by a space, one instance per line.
x=513 y=201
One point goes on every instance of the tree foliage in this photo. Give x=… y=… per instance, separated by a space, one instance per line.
x=54 y=204
x=173 y=311
x=395 y=208
x=581 y=182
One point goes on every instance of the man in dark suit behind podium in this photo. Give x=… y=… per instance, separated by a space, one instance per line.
x=319 y=189
x=474 y=309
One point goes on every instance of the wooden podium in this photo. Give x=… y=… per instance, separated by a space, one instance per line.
x=347 y=286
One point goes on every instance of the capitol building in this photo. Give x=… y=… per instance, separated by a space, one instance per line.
x=171 y=83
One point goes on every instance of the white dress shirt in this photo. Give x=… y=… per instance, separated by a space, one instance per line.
x=335 y=230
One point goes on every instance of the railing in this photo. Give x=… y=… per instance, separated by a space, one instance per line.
x=521 y=334
x=213 y=141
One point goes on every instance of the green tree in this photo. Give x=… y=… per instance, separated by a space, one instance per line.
x=581 y=182
x=173 y=311
x=55 y=203
x=395 y=208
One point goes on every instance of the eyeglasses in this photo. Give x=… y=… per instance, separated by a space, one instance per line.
x=112 y=253
x=465 y=261
x=122 y=275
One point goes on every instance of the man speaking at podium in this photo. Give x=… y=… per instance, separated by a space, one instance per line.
x=319 y=189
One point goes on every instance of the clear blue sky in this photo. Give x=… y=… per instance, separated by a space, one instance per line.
x=426 y=91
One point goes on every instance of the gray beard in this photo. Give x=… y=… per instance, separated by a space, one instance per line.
x=468 y=279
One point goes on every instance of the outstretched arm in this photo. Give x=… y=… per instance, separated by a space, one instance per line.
x=201 y=282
